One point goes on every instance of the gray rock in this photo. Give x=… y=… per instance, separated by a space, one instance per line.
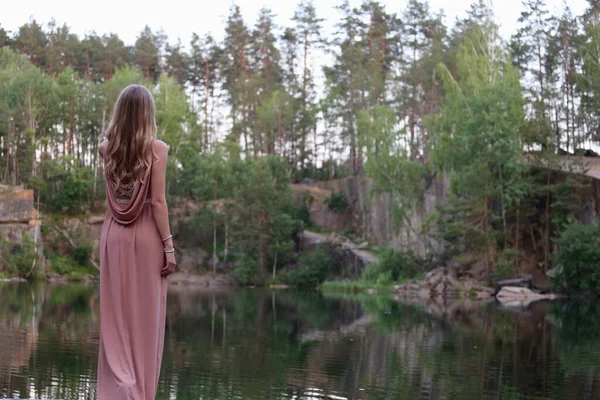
x=512 y=296
x=525 y=281
x=452 y=282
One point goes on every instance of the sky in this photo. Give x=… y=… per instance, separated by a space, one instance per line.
x=179 y=19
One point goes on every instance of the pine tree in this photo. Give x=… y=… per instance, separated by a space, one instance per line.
x=589 y=78
x=203 y=77
x=5 y=39
x=308 y=37
x=530 y=46
x=115 y=56
x=31 y=41
x=92 y=49
x=423 y=36
x=147 y=53
x=345 y=80
x=236 y=76
x=176 y=61
x=287 y=134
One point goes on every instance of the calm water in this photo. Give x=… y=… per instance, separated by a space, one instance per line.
x=290 y=345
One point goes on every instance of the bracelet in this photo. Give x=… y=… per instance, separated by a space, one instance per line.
x=167 y=238
x=170 y=250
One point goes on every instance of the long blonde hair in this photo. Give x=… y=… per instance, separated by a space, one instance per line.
x=130 y=133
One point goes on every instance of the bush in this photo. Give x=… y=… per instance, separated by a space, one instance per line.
x=393 y=267
x=82 y=253
x=578 y=260
x=503 y=269
x=19 y=258
x=246 y=271
x=63 y=265
x=313 y=268
x=338 y=202
x=67 y=186
x=301 y=214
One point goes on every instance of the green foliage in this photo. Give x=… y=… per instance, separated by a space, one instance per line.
x=262 y=224
x=407 y=100
x=66 y=188
x=566 y=198
x=390 y=164
x=477 y=140
x=504 y=268
x=578 y=259
x=20 y=259
x=81 y=253
x=313 y=269
x=63 y=265
x=394 y=266
x=338 y=202
x=246 y=271
x=302 y=215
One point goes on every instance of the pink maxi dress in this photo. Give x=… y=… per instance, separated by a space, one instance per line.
x=132 y=294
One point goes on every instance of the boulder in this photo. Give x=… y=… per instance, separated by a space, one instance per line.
x=514 y=296
x=525 y=281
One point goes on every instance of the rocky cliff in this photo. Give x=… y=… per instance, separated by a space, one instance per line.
x=370 y=215
x=18 y=215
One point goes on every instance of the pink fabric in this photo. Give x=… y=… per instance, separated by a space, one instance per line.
x=132 y=299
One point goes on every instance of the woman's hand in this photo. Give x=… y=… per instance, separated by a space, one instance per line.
x=170 y=264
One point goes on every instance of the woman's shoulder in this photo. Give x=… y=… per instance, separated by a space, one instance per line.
x=160 y=146
x=102 y=147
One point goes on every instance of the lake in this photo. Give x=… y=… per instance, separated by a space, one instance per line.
x=253 y=344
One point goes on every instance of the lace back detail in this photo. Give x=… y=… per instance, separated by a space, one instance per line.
x=123 y=187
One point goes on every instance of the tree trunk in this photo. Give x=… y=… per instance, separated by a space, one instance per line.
x=7 y=152
x=547 y=227
x=96 y=160
x=280 y=130
x=32 y=127
x=206 y=91
x=214 y=255
x=517 y=238
x=487 y=247
x=70 y=138
x=226 y=249
x=304 y=119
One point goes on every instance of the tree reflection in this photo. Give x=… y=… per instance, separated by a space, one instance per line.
x=289 y=345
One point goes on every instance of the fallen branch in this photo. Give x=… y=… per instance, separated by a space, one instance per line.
x=65 y=234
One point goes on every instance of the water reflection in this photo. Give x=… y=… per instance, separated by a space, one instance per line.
x=290 y=345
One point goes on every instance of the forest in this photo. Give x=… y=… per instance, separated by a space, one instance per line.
x=400 y=98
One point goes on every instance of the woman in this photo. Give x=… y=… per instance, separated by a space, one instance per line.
x=136 y=251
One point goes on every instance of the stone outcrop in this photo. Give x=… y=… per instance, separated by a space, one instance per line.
x=525 y=281
x=370 y=215
x=315 y=200
x=351 y=256
x=18 y=215
x=442 y=285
